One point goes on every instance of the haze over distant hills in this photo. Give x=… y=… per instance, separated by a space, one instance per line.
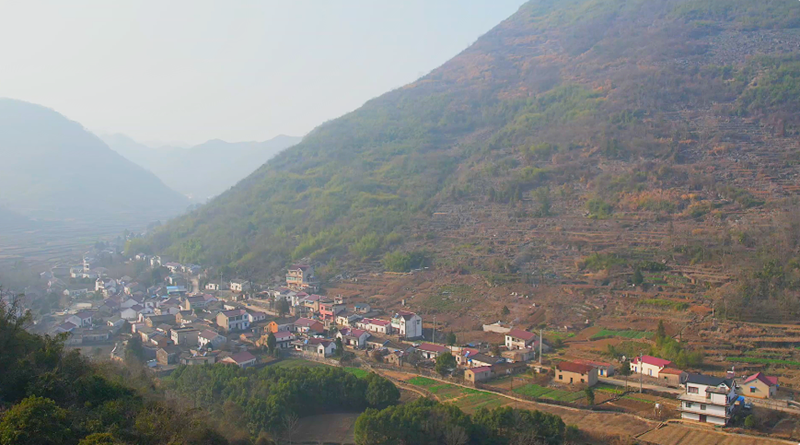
x=202 y=171
x=52 y=168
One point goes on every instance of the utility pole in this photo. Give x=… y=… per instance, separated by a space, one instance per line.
x=541 y=340
x=434 y=329
x=641 y=374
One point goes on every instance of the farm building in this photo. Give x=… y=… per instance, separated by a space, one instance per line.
x=576 y=374
x=478 y=374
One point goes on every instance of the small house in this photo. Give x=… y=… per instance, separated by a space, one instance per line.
x=431 y=351
x=242 y=359
x=478 y=374
x=576 y=374
x=760 y=386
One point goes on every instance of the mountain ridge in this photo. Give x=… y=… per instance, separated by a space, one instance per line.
x=604 y=116
x=196 y=171
x=53 y=169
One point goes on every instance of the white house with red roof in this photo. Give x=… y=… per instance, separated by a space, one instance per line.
x=519 y=339
x=242 y=359
x=760 y=386
x=375 y=325
x=649 y=365
x=356 y=338
x=431 y=350
x=207 y=336
x=321 y=346
x=407 y=324
x=283 y=339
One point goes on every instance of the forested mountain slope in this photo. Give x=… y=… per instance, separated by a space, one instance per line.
x=52 y=168
x=638 y=130
x=203 y=171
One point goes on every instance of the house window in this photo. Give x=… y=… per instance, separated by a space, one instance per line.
x=581 y=380
x=650 y=371
x=702 y=406
x=561 y=376
x=752 y=389
x=688 y=404
x=692 y=390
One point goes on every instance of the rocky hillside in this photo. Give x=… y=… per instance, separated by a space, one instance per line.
x=579 y=141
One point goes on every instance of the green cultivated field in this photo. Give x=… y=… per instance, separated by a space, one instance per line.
x=605 y=333
x=358 y=372
x=534 y=390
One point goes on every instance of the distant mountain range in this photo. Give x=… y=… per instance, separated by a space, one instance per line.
x=203 y=171
x=52 y=168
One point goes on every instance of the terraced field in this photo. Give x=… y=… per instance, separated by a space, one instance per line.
x=543 y=392
x=469 y=400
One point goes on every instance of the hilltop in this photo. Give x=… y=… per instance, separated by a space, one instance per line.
x=202 y=171
x=54 y=169
x=576 y=143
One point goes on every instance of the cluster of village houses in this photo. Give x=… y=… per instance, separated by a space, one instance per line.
x=179 y=328
x=705 y=398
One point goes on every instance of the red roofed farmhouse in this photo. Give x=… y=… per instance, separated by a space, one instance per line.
x=650 y=366
x=576 y=374
x=519 y=339
x=760 y=386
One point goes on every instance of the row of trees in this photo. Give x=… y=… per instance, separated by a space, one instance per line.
x=426 y=422
x=266 y=399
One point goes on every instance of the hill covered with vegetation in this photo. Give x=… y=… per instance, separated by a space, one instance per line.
x=570 y=124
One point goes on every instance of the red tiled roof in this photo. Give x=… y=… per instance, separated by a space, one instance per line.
x=283 y=335
x=574 y=367
x=430 y=347
x=519 y=333
x=305 y=322
x=376 y=322
x=767 y=380
x=672 y=371
x=655 y=361
x=471 y=351
x=242 y=357
x=356 y=333
x=209 y=334
x=319 y=341
x=234 y=313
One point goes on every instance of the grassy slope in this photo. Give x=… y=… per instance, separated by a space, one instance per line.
x=572 y=96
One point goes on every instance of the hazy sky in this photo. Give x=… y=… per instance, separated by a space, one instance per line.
x=193 y=70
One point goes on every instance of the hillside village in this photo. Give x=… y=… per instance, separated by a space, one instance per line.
x=189 y=319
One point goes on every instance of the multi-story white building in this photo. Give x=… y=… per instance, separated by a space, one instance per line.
x=708 y=399
x=407 y=324
x=233 y=320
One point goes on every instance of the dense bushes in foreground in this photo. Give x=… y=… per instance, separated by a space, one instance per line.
x=49 y=396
